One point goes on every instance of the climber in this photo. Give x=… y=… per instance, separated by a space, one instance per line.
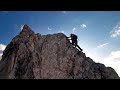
x=74 y=38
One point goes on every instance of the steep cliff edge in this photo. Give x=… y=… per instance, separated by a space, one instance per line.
x=36 y=56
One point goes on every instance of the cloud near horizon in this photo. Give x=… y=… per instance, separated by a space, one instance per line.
x=113 y=60
x=2 y=48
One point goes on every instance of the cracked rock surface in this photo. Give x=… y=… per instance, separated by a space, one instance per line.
x=36 y=56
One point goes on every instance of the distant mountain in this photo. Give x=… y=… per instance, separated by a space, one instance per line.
x=36 y=56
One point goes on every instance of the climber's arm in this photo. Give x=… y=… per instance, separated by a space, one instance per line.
x=68 y=37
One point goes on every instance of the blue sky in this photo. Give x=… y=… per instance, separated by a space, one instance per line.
x=98 y=31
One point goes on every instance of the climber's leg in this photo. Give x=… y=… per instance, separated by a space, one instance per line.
x=79 y=47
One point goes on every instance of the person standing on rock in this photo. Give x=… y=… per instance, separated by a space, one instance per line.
x=74 y=38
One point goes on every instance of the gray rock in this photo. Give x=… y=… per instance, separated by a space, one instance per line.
x=36 y=56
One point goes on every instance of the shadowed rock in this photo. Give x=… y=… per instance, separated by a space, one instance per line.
x=36 y=56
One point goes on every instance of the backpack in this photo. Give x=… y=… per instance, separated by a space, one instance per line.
x=74 y=36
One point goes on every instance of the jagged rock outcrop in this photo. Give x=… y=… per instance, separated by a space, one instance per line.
x=36 y=56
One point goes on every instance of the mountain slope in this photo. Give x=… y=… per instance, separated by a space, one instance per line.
x=36 y=56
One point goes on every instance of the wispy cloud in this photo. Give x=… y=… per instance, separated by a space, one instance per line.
x=64 y=12
x=49 y=28
x=83 y=25
x=102 y=45
x=116 y=31
x=74 y=29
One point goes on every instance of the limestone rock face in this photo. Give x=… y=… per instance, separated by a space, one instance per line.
x=36 y=56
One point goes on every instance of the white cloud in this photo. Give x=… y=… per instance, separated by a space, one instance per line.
x=64 y=12
x=83 y=25
x=113 y=60
x=74 y=29
x=115 y=55
x=102 y=45
x=116 y=31
x=49 y=28
x=2 y=48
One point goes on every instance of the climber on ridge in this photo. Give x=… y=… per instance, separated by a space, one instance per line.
x=74 y=38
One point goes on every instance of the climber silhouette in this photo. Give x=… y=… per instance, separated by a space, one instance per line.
x=74 y=38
